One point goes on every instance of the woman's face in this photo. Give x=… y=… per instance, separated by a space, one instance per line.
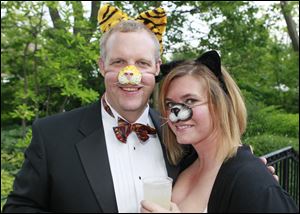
x=190 y=91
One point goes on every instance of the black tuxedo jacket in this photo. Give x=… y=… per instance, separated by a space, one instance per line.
x=66 y=167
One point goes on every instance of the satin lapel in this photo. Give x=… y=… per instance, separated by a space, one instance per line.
x=172 y=170
x=93 y=154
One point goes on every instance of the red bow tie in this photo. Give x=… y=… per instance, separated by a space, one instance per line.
x=124 y=128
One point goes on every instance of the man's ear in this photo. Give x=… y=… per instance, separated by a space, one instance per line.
x=157 y=65
x=101 y=66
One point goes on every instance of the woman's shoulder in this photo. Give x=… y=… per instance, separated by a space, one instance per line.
x=241 y=178
x=246 y=167
x=245 y=184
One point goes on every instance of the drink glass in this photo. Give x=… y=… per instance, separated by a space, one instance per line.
x=158 y=190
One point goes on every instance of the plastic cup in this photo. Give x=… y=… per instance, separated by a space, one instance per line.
x=158 y=190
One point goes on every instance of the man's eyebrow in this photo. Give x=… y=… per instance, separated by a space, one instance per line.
x=143 y=59
x=149 y=61
x=117 y=58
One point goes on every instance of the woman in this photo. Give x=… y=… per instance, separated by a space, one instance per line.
x=205 y=109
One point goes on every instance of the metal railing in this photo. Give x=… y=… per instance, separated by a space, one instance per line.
x=286 y=164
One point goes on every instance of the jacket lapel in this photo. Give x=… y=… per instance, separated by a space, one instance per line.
x=172 y=170
x=93 y=154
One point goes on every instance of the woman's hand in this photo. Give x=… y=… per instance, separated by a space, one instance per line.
x=150 y=207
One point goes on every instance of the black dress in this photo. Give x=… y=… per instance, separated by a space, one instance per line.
x=245 y=185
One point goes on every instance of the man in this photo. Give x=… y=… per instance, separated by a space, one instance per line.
x=76 y=161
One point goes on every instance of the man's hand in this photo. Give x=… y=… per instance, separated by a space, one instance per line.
x=271 y=168
x=150 y=207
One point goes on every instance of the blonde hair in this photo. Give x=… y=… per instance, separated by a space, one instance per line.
x=128 y=26
x=228 y=111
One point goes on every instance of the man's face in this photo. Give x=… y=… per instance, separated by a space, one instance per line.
x=123 y=49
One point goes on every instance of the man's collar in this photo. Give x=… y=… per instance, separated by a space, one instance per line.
x=143 y=119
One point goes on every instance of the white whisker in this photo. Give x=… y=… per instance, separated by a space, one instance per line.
x=164 y=123
x=164 y=118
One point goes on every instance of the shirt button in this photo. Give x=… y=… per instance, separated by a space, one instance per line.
x=134 y=148
x=140 y=177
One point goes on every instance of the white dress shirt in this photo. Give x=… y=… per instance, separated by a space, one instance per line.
x=131 y=162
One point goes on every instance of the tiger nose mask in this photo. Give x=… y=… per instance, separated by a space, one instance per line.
x=130 y=75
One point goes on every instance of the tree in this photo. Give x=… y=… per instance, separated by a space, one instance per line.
x=291 y=25
x=51 y=67
x=55 y=67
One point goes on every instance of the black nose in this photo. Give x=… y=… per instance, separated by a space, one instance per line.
x=175 y=111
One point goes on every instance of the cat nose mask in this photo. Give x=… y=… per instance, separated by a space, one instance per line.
x=130 y=75
x=180 y=112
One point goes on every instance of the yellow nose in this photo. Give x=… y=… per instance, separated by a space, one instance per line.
x=130 y=75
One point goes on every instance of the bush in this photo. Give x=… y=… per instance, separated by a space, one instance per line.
x=6 y=185
x=9 y=138
x=272 y=121
x=283 y=124
x=12 y=157
x=266 y=143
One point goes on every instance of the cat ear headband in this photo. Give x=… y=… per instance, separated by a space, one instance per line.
x=210 y=59
x=181 y=111
x=213 y=61
x=155 y=20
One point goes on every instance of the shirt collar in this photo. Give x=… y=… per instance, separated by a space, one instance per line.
x=143 y=119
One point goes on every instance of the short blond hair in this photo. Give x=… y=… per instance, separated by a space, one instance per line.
x=128 y=26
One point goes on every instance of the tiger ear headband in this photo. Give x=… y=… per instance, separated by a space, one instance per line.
x=210 y=59
x=155 y=20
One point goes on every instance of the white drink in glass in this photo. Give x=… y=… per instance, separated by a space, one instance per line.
x=158 y=190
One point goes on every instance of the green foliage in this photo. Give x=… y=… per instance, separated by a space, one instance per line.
x=270 y=129
x=12 y=157
x=13 y=147
x=51 y=69
x=266 y=143
x=6 y=185
x=22 y=144
x=273 y=121
x=48 y=68
x=23 y=112
x=284 y=124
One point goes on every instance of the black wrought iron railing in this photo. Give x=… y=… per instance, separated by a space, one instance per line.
x=286 y=164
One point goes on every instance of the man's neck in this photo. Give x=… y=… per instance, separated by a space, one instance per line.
x=129 y=116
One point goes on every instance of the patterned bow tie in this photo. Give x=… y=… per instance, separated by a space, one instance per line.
x=124 y=128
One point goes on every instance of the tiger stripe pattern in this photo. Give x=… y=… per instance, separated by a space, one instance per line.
x=155 y=20
x=109 y=16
